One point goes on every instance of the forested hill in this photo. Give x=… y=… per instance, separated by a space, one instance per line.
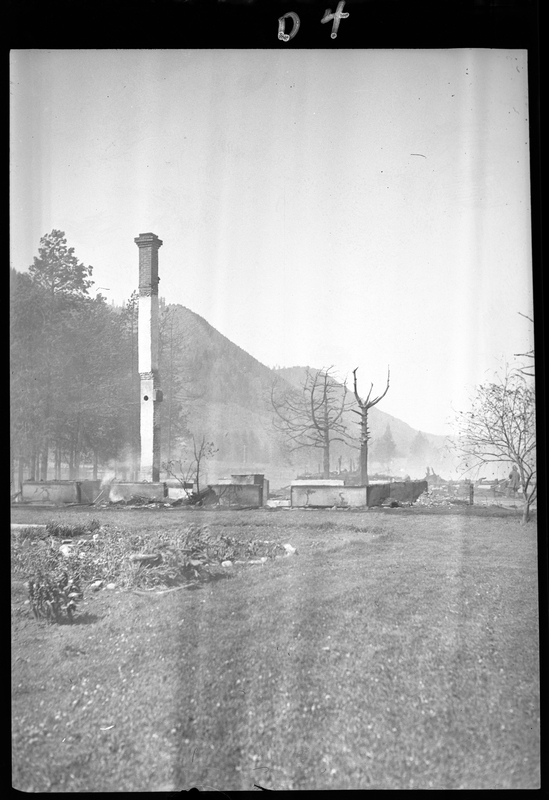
x=232 y=406
x=213 y=365
x=224 y=392
x=75 y=389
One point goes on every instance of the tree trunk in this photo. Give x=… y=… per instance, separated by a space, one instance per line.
x=47 y=413
x=32 y=466
x=71 y=461
x=326 y=461
x=364 y=464
x=364 y=447
x=44 y=461
x=170 y=384
x=197 y=473
x=95 y=465
x=20 y=464
x=58 y=462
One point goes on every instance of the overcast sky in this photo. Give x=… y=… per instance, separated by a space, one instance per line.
x=354 y=208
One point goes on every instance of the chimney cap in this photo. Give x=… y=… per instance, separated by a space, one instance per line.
x=148 y=238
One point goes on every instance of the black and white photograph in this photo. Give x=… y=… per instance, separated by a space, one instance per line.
x=273 y=478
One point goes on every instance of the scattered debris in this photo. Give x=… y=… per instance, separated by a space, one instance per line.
x=113 y=558
x=148 y=559
x=18 y=526
x=440 y=497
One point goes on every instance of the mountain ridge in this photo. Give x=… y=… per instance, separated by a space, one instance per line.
x=234 y=410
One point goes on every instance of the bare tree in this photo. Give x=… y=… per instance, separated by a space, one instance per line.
x=527 y=370
x=364 y=407
x=501 y=428
x=313 y=416
x=188 y=469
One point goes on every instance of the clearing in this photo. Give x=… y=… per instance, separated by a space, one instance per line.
x=395 y=650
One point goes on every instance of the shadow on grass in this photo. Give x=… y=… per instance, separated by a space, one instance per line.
x=82 y=619
x=216 y=577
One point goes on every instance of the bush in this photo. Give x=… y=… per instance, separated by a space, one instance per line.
x=52 y=598
x=72 y=531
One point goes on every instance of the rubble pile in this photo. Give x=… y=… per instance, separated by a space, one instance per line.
x=440 y=497
x=114 y=558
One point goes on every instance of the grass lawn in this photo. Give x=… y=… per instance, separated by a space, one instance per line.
x=394 y=651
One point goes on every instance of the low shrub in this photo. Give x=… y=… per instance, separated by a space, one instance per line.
x=54 y=597
x=72 y=531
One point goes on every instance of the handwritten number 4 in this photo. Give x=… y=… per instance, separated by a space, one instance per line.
x=336 y=17
x=328 y=16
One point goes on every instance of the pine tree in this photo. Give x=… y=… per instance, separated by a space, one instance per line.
x=385 y=448
x=58 y=270
x=419 y=448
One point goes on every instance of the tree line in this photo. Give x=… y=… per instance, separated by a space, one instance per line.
x=74 y=379
x=75 y=382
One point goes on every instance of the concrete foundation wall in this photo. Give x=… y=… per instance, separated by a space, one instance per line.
x=400 y=491
x=60 y=491
x=156 y=492
x=178 y=492
x=243 y=494
x=327 y=496
x=251 y=478
x=89 y=491
x=319 y=482
x=50 y=492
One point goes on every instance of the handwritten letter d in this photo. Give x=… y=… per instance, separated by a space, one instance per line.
x=282 y=25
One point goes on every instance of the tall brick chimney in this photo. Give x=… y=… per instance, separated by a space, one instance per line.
x=147 y=342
